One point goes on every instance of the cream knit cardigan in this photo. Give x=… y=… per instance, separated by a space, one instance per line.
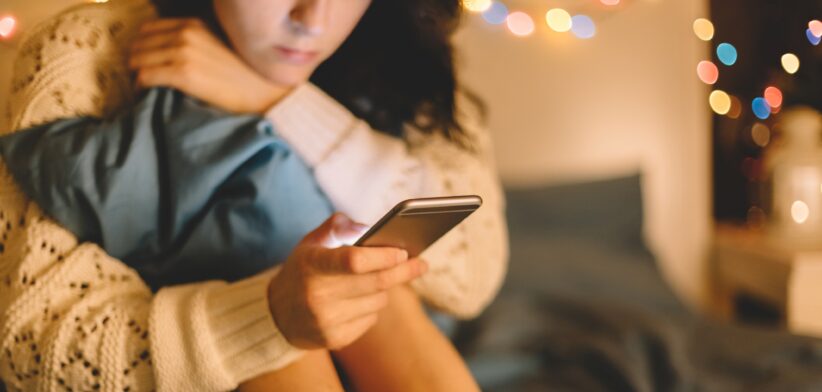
x=73 y=318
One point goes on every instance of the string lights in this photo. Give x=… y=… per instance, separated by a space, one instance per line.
x=8 y=25
x=771 y=100
x=521 y=24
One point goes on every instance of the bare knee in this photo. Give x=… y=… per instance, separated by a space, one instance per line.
x=313 y=372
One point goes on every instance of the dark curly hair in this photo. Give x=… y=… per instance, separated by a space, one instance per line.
x=397 y=66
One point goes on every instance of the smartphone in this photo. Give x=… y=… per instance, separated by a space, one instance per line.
x=415 y=224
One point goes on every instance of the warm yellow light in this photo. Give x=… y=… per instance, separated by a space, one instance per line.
x=790 y=62
x=720 y=102
x=476 y=5
x=520 y=23
x=704 y=29
x=558 y=20
x=800 y=211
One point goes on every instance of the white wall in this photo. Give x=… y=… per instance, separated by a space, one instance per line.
x=564 y=109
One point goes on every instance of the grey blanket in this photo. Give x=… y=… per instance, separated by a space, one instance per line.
x=584 y=308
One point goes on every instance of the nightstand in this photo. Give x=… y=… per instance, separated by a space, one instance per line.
x=747 y=263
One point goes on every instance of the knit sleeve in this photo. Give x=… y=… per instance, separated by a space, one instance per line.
x=73 y=318
x=365 y=172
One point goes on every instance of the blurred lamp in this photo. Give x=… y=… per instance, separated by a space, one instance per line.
x=796 y=171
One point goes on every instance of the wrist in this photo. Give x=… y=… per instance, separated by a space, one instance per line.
x=271 y=94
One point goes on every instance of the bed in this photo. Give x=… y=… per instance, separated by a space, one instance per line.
x=585 y=308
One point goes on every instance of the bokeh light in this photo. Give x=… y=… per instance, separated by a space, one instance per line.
x=736 y=108
x=760 y=134
x=720 y=102
x=816 y=27
x=476 y=5
x=761 y=109
x=813 y=39
x=496 y=13
x=726 y=53
x=790 y=63
x=800 y=211
x=7 y=25
x=558 y=20
x=583 y=26
x=520 y=23
x=708 y=72
x=773 y=96
x=704 y=29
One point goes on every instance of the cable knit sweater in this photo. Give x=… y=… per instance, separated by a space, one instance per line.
x=74 y=318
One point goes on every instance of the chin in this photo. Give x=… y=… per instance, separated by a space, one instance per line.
x=286 y=75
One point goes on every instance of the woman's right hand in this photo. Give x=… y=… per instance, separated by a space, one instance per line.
x=185 y=54
x=326 y=296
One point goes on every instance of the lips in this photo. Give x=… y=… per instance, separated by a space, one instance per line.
x=295 y=56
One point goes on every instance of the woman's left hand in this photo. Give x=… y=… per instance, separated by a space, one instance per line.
x=186 y=55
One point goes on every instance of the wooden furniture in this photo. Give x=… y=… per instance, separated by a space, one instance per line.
x=749 y=262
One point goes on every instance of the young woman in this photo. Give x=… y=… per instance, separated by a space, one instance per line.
x=362 y=171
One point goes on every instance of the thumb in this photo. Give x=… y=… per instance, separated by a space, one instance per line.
x=336 y=231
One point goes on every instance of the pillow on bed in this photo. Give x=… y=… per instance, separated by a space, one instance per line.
x=607 y=210
x=584 y=240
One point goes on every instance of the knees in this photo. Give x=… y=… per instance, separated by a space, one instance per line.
x=313 y=372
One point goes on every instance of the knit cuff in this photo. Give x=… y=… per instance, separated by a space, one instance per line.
x=311 y=121
x=244 y=330
x=213 y=335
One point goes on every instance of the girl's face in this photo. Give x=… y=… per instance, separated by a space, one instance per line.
x=286 y=40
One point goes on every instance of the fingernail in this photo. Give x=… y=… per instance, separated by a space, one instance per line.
x=402 y=256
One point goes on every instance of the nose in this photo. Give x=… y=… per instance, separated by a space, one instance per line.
x=309 y=16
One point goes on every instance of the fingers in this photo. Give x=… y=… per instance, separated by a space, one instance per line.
x=323 y=231
x=350 y=331
x=153 y=58
x=356 y=260
x=334 y=231
x=164 y=37
x=345 y=310
x=163 y=75
x=347 y=234
x=154 y=41
x=169 y=24
x=384 y=280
